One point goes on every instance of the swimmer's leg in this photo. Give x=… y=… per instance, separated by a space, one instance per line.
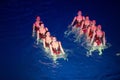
x=68 y=32
x=93 y=48
x=65 y=57
x=100 y=51
x=54 y=58
x=74 y=30
x=38 y=41
x=100 y=48
x=77 y=31
x=78 y=37
x=89 y=53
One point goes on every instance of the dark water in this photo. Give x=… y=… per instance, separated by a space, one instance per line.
x=22 y=60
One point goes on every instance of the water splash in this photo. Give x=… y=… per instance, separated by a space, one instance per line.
x=118 y=54
x=99 y=49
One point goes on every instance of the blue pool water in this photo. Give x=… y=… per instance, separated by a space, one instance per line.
x=21 y=59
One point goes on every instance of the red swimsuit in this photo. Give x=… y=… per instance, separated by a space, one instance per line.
x=85 y=27
x=37 y=27
x=91 y=34
x=47 y=44
x=98 y=40
x=42 y=36
x=78 y=24
x=56 y=51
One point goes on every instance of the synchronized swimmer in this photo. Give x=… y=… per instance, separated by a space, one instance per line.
x=94 y=37
x=50 y=43
x=81 y=26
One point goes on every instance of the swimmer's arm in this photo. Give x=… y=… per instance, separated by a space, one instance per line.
x=51 y=50
x=83 y=22
x=104 y=40
x=88 y=30
x=34 y=27
x=92 y=38
x=61 y=48
x=37 y=35
x=73 y=21
x=44 y=43
x=33 y=31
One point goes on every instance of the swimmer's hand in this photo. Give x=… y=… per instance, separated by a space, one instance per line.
x=69 y=26
x=32 y=34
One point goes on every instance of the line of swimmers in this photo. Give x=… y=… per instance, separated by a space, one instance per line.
x=49 y=42
x=82 y=25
